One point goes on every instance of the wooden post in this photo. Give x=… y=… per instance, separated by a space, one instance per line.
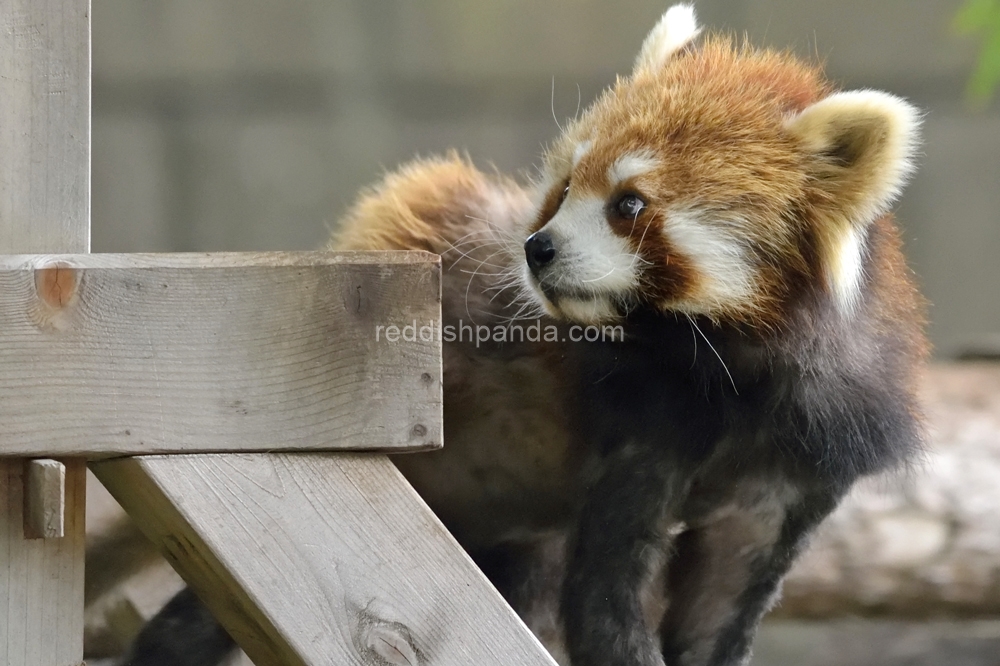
x=44 y=207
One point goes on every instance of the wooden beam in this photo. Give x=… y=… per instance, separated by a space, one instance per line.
x=45 y=499
x=231 y=352
x=44 y=207
x=321 y=559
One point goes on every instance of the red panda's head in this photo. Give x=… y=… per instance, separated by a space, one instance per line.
x=713 y=180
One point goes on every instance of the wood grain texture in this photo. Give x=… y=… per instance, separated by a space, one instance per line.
x=44 y=126
x=45 y=499
x=44 y=207
x=134 y=354
x=41 y=580
x=321 y=559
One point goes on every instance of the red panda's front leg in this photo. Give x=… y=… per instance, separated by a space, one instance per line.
x=619 y=535
x=727 y=570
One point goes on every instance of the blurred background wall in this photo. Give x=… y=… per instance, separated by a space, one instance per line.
x=251 y=124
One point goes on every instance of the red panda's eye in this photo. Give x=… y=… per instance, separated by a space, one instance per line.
x=629 y=206
x=565 y=193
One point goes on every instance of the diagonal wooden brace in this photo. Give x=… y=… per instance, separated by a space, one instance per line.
x=321 y=559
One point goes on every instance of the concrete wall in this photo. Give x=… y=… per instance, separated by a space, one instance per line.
x=250 y=124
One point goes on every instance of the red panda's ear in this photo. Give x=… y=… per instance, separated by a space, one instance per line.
x=674 y=31
x=860 y=148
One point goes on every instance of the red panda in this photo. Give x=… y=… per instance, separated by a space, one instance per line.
x=728 y=210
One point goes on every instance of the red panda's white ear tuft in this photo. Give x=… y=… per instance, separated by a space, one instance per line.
x=859 y=149
x=861 y=146
x=674 y=31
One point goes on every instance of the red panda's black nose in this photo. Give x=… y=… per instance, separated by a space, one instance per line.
x=539 y=251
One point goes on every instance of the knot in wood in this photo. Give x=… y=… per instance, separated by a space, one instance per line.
x=381 y=642
x=57 y=285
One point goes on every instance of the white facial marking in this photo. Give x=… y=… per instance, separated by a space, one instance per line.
x=675 y=29
x=717 y=254
x=589 y=256
x=581 y=150
x=846 y=269
x=631 y=165
x=591 y=310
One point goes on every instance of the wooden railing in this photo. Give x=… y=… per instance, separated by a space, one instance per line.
x=215 y=363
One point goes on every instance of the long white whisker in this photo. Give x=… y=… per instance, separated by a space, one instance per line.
x=695 y=339
x=638 y=248
x=473 y=277
x=500 y=291
x=517 y=315
x=485 y=262
x=552 y=103
x=613 y=268
x=478 y=219
x=496 y=241
x=703 y=337
x=504 y=280
x=503 y=285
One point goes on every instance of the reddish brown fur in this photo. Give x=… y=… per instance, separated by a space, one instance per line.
x=715 y=117
x=715 y=121
x=425 y=206
x=820 y=370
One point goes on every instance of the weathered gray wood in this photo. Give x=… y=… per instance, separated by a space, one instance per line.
x=45 y=499
x=320 y=559
x=226 y=352
x=44 y=207
x=44 y=126
x=41 y=580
